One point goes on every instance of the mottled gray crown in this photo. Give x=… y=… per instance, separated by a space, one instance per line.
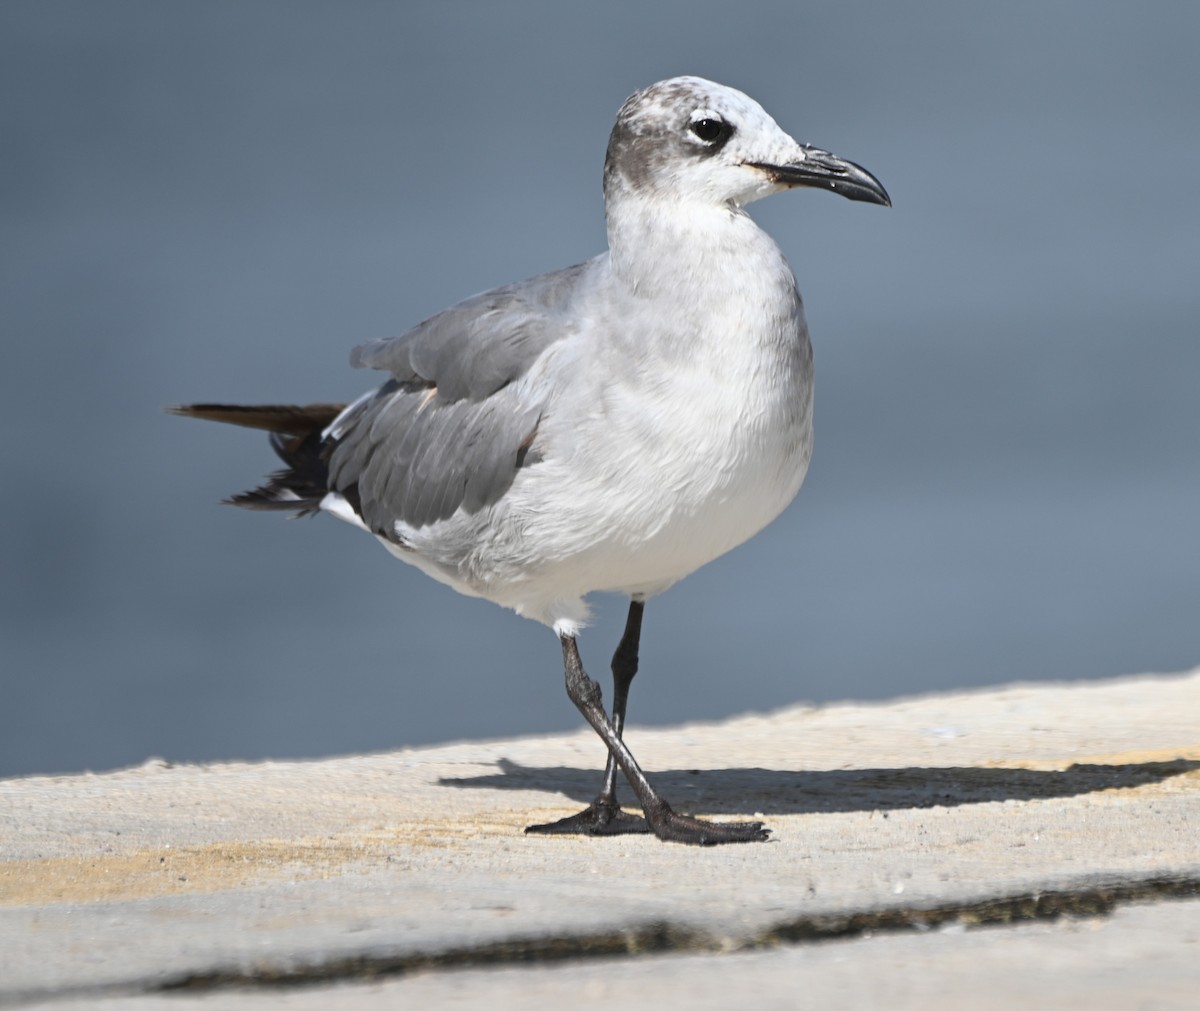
x=655 y=131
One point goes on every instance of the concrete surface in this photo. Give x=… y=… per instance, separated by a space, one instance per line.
x=1069 y=810
x=1143 y=957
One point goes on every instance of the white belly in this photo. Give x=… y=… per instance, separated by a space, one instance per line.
x=639 y=491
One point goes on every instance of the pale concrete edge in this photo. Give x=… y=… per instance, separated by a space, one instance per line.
x=156 y=761
x=1078 y=897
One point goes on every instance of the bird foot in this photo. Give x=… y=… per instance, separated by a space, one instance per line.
x=597 y=818
x=681 y=828
x=608 y=819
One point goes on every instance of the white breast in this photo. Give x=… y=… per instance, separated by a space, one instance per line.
x=697 y=437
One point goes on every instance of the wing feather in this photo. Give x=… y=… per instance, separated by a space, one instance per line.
x=451 y=428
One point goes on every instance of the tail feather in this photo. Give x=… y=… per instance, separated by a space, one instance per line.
x=296 y=438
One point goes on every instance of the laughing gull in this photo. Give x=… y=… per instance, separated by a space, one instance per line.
x=612 y=426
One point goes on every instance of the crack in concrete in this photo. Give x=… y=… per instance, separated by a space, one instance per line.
x=1096 y=899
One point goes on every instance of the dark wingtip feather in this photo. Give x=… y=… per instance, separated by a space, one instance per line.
x=287 y=419
x=296 y=439
x=269 y=498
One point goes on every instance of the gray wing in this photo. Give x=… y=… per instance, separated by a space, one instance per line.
x=449 y=430
x=475 y=348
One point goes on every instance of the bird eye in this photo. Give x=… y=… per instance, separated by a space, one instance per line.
x=711 y=131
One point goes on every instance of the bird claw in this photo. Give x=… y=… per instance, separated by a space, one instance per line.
x=681 y=828
x=605 y=819
x=596 y=819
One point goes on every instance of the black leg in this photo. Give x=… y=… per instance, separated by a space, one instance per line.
x=663 y=821
x=603 y=816
x=624 y=669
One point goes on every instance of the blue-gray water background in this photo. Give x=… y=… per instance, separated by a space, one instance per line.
x=216 y=200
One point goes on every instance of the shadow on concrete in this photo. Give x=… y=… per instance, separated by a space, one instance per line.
x=778 y=791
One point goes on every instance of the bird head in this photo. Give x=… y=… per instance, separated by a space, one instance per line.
x=690 y=140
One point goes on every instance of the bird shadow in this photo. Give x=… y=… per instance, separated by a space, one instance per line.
x=784 y=791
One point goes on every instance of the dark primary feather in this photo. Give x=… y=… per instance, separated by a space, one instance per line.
x=296 y=439
x=286 y=419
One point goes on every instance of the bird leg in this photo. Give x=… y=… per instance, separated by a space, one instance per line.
x=603 y=816
x=662 y=820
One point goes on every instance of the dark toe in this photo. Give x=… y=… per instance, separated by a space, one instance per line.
x=681 y=828
x=595 y=819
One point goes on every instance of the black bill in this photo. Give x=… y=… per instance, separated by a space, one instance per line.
x=829 y=172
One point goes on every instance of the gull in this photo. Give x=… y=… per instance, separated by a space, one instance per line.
x=608 y=427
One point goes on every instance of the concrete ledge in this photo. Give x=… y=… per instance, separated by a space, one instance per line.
x=949 y=811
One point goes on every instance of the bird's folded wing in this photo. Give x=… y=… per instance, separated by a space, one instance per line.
x=453 y=426
x=477 y=347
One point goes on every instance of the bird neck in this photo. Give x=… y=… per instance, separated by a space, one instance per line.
x=663 y=247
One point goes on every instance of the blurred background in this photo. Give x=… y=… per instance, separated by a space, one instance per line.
x=217 y=200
